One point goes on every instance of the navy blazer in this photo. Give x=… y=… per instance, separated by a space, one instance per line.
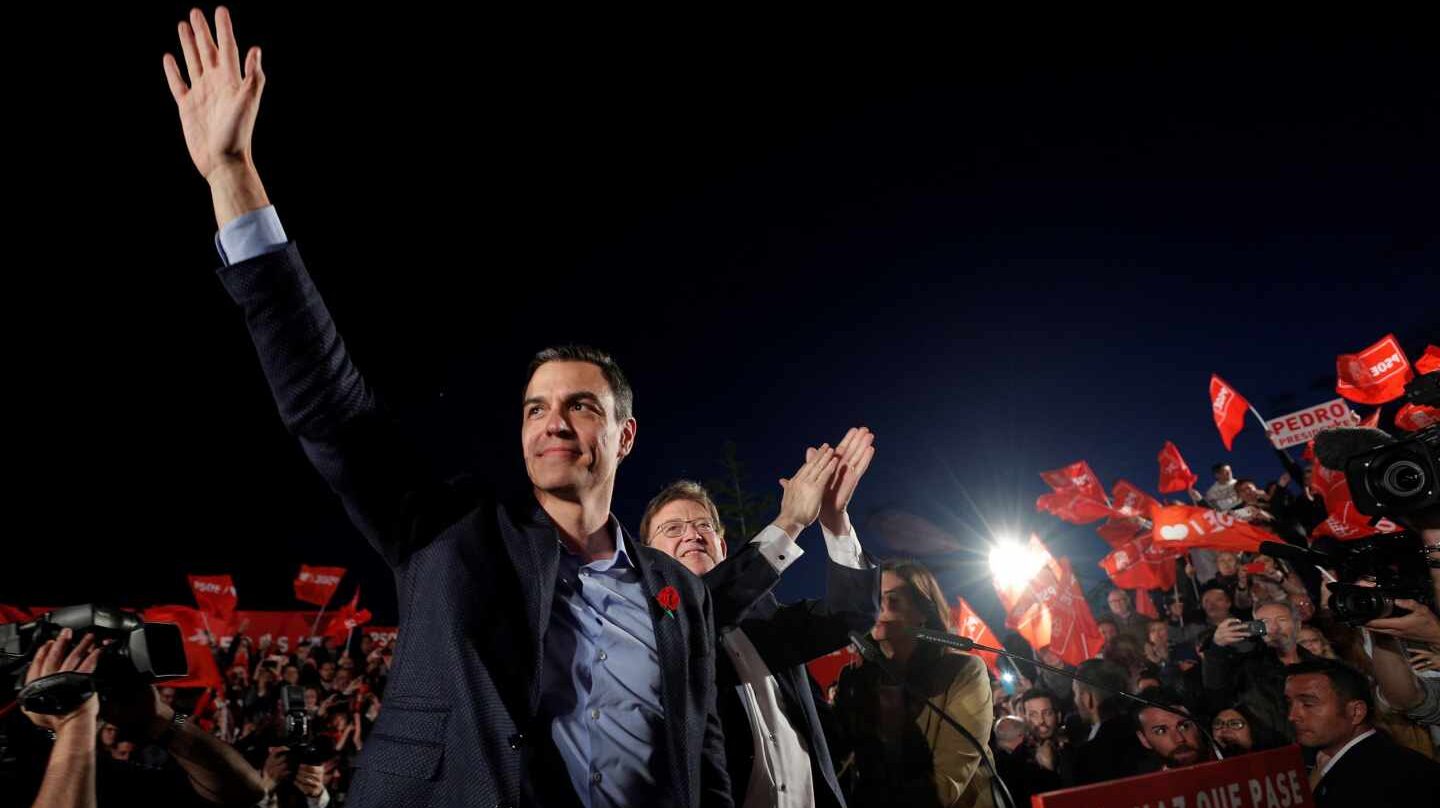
x=475 y=576
x=786 y=636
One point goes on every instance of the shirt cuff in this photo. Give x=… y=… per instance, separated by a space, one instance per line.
x=777 y=547
x=250 y=235
x=845 y=549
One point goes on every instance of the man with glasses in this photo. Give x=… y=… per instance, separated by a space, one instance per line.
x=1238 y=669
x=1175 y=739
x=775 y=747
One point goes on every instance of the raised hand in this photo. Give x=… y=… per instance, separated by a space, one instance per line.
x=217 y=110
x=53 y=658
x=855 y=451
x=805 y=490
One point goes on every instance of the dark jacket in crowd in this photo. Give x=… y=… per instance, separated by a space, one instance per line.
x=1251 y=674
x=1113 y=753
x=1379 y=773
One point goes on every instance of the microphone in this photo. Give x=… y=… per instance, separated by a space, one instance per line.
x=1334 y=446
x=868 y=648
x=955 y=641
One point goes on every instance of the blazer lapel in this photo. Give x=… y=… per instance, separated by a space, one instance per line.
x=674 y=654
x=534 y=549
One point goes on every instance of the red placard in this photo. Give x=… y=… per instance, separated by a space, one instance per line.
x=1276 y=777
x=1375 y=375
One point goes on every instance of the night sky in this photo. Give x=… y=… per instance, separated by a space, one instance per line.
x=1001 y=248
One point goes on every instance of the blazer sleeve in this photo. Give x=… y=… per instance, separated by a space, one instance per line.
x=970 y=701
x=325 y=402
x=714 y=772
x=799 y=632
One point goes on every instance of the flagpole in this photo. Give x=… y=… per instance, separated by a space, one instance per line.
x=316 y=626
x=1286 y=461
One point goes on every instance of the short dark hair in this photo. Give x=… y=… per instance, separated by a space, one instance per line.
x=1110 y=679
x=1215 y=469
x=1349 y=683
x=1108 y=619
x=1241 y=480
x=1160 y=695
x=1038 y=693
x=619 y=385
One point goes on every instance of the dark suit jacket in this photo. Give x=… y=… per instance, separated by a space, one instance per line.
x=1379 y=773
x=786 y=636
x=475 y=578
x=1113 y=753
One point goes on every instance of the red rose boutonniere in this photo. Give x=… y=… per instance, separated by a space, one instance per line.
x=669 y=600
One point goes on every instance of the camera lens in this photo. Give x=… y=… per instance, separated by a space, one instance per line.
x=1403 y=478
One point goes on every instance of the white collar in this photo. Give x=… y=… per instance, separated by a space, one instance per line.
x=1330 y=764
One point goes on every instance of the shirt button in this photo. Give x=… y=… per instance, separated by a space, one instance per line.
x=773 y=739
x=585 y=572
x=516 y=740
x=782 y=558
x=594 y=713
x=595 y=778
x=603 y=656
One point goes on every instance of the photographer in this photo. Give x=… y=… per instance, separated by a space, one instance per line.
x=1418 y=698
x=1237 y=669
x=290 y=784
x=70 y=774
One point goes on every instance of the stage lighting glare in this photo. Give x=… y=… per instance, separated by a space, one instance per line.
x=1013 y=564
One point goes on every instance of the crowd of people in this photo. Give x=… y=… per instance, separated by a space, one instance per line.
x=549 y=656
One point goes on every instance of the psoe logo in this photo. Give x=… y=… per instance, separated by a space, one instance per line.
x=1222 y=400
x=1384 y=366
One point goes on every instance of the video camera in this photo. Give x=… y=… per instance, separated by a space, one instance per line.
x=1394 y=478
x=138 y=653
x=1393 y=561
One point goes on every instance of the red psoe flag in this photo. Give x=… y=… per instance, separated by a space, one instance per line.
x=1228 y=407
x=1183 y=527
x=1140 y=564
x=1130 y=500
x=1077 y=476
x=1175 y=474
x=348 y=617
x=1073 y=506
x=1074 y=635
x=968 y=624
x=1344 y=522
x=1145 y=605
x=1415 y=417
x=1118 y=530
x=317 y=585
x=215 y=595
x=1375 y=375
x=1429 y=362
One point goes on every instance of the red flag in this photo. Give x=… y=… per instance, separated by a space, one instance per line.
x=1073 y=507
x=1430 y=361
x=1145 y=605
x=1228 y=407
x=1140 y=564
x=350 y=616
x=1344 y=522
x=1130 y=500
x=1184 y=527
x=968 y=624
x=201 y=660
x=1074 y=635
x=215 y=595
x=317 y=585
x=1415 y=417
x=1175 y=475
x=13 y=614
x=826 y=669
x=1375 y=375
x=1118 y=530
x=1077 y=476
x=1045 y=605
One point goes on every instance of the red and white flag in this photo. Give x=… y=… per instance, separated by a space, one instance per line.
x=1130 y=500
x=1415 y=417
x=1074 y=634
x=1184 y=527
x=968 y=624
x=317 y=585
x=1344 y=522
x=1228 y=407
x=1048 y=607
x=1077 y=476
x=1375 y=375
x=215 y=595
x=1118 y=530
x=348 y=617
x=1175 y=474
x=1140 y=564
x=1073 y=506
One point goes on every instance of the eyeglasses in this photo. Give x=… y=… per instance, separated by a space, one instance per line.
x=1233 y=723
x=676 y=528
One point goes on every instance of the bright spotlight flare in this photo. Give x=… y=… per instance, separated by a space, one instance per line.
x=1014 y=564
